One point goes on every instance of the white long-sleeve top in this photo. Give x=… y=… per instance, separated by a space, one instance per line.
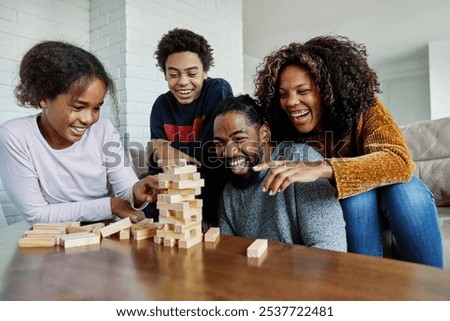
x=71 y=184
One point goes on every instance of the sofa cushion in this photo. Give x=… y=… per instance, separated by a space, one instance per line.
x=429 y=144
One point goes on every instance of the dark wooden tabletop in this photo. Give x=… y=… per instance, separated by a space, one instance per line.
x=143 y=270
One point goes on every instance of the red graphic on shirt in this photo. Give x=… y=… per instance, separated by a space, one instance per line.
x=184 y=134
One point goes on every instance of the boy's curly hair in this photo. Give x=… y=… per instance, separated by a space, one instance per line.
x=338 y=66
x=179 y=40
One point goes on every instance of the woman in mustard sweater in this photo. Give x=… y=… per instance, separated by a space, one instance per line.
x=323 y=93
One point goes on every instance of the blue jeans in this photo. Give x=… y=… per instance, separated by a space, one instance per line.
x=411 y=213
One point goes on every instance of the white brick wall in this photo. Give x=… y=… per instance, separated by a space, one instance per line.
x=124 y=35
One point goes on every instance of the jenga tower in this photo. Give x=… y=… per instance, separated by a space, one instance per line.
x=179 y=211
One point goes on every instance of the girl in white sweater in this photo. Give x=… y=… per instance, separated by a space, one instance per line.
x=64 y=164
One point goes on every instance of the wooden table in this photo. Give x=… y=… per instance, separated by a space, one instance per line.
x=143 y=270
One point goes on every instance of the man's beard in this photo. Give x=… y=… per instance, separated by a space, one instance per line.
x=251 y=177
x=245 y=181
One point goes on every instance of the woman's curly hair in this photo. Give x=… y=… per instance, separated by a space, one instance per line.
x=339 y=68
x=179 y=40
x=51 y=68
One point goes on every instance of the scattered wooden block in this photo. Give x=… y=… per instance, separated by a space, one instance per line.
x=144 y=222
x=75 y=229
x=92 y=227
x=79 y=239
x=56 y=226
x=44 y=241
x=125 y=234
x=38 y=236
x=116 y=227
x=42 y=232
x=212 y=234
x=257 y=248
x=97 y=229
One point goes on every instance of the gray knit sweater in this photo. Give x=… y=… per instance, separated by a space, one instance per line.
x=307 y=214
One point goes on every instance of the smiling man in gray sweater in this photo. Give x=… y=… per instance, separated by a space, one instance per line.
x=304 y=213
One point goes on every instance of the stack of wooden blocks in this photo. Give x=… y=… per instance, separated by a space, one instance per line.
x=179 y=210
x=69 y=234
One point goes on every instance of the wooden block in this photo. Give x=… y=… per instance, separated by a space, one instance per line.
x=75 y=229
x=179 y=169
x=165 y=184
x=56 y=237
x=257 y=248
x=56 y=226
x=171 y=219
x=170 y=242
x=97 y=229
x=185 y=244
x=212 y=234
x=184 y=191
x=92 y=227
x=116 y=227
x=158 y=240
x=188 y=184
x=180 y=228
x=182 y=206
x=184 y=235
x=179 y=177
x=125 y=234
x=144 y=222
x=42 y=232
x=142 y=233
x=44 y=241
x=79 y=239
x=173 y=235
x=141 y=224
x=174 y=198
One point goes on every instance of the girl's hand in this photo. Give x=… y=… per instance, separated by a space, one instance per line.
x=123 y=209
x=146 y=190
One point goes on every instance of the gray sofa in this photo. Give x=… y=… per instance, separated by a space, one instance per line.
x=429 y=144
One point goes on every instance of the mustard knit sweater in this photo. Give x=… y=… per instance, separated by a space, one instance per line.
x=374 y=154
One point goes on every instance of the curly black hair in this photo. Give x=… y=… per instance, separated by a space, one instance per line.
x=51 y=68
x=338 y=66
x=179 y=40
